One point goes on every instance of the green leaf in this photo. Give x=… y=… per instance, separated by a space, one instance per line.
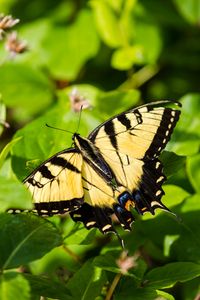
x=186 y=137
x=116 y=5
x=107 y=262
x=77 y=42
x=107 y=23
x=14 y=286
x=114 y=102
x=172 y=162
x=34 y=33
x=163 y=295
x=192 y=204
x=125 y=58
x=6 y=150
x=25 y=238
x=14 y=195
x=170 y=274
x=148 y=37
x=89 y=281
x=58 y=257
x=47 y=287
x=193 y=170
x=2 y=115
x=174 y=195
x=80 y=235
x=185 y=246
x=25 y=88
x=168 y=242
x=189 y=9
x=127 y=289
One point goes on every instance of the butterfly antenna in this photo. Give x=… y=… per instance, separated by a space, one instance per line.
x=79 y=118
x=52 y=127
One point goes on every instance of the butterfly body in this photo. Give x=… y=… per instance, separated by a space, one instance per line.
x=92 y=155
x=113 y=170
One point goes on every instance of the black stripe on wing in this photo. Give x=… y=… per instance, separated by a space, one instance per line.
x=163 y=134
x=62 y=162
x=124 y=121
x=54 y=160
x=45 y=172
x=52 y=208
x=57 y=207
x=110 y=131
x=136 y=111
x=94 y=216
x=148 y=196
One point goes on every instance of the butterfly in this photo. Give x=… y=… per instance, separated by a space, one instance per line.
x=112 y=171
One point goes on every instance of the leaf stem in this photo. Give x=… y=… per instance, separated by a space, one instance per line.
x=72 y=254
x=139 y=78
x=113 y=286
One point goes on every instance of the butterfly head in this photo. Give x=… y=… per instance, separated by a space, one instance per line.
x=80 y=142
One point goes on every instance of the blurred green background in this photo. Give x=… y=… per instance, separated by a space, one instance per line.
x=110 y=55
x=148 y=45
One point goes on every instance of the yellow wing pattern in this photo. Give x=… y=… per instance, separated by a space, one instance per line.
x=56 y=185
x=114 y=169
x=130 y=144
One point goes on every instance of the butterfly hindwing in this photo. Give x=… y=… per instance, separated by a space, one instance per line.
x=56 y=185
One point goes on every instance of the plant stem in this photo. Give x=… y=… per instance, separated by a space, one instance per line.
x=113 y=286
x=72 y=254
x=139 y=78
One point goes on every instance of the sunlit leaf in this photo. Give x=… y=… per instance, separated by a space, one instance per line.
x=189 y=9
x=20 y=239
x=168 y=275
x=193 y=169
x=89 y=280
x=14 y=286
x=107 y=23
x=69 y=48
x=46 y=287
x=25 y=88
x=13 y=195
x=6 y=150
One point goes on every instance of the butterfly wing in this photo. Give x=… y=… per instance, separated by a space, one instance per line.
x=130 y=143
x=142 y=132
x=116 y=168
x=56 y=185
x=99 y=202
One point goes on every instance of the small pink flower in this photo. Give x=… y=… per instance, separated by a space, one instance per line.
x=125 y=262
x=6 y=22
x=14 y=45
x=78 y=101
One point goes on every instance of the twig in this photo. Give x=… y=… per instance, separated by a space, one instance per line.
x=113 y=286
x=72 y=254
x=139 y=78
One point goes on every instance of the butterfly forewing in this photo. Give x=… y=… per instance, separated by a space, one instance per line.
x=140 y=133
x=56 y=185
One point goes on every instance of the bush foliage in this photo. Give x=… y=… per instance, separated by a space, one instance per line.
x=112 y=55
